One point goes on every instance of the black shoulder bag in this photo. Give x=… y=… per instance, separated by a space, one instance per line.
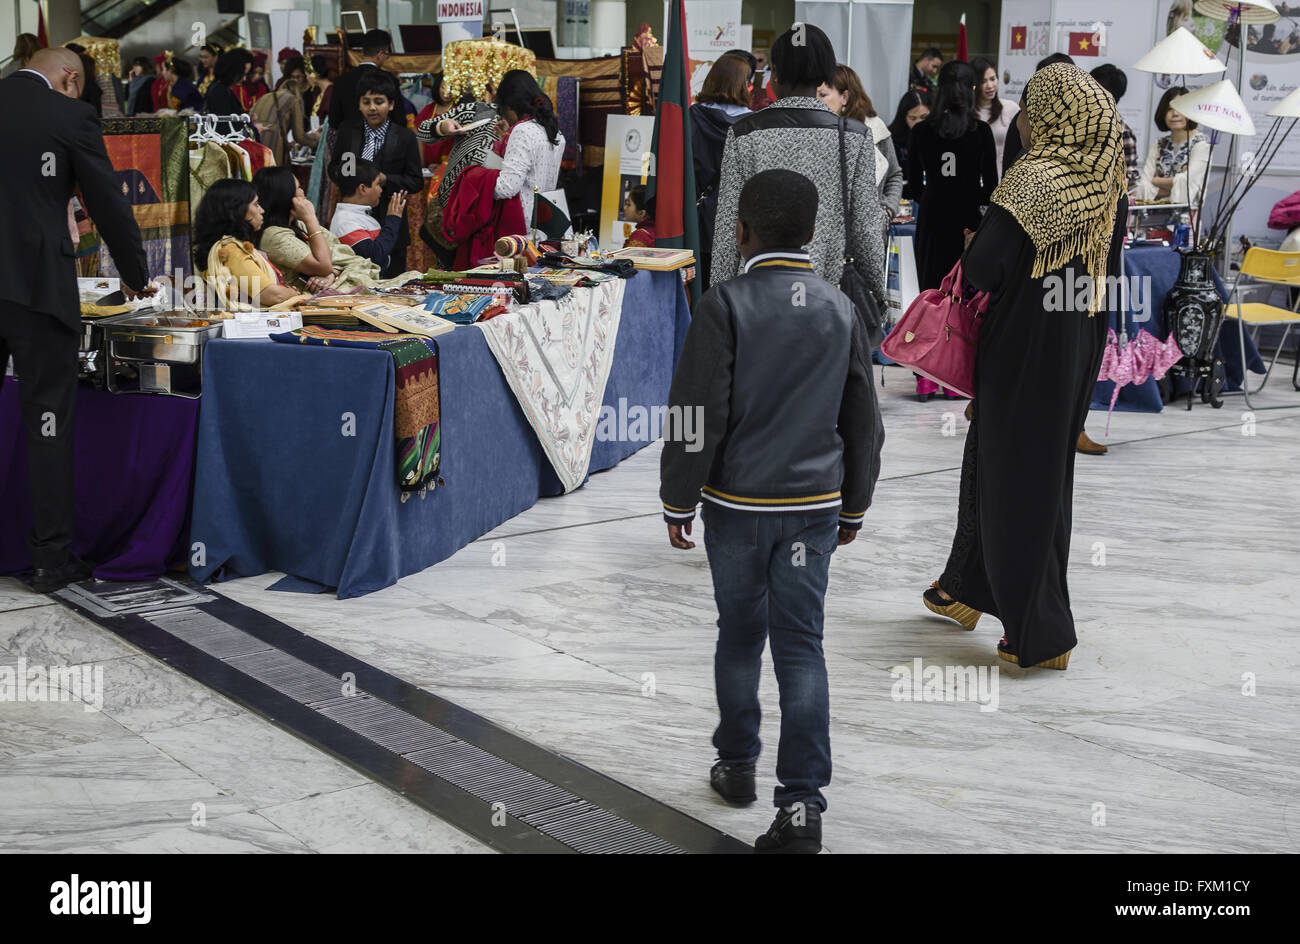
x=852 y=283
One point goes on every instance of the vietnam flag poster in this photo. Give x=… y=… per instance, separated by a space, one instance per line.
x=1018 y=35
x=1085 y=43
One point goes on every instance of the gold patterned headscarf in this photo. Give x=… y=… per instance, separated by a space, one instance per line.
x=1064 y=191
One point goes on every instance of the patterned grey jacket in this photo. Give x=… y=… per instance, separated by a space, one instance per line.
x=802 y=135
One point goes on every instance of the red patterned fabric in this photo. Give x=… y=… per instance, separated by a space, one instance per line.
x=474 y=219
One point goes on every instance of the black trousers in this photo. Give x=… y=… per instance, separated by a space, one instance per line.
x=45 y=361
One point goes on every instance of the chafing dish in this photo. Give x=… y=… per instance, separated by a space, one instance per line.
x=163 y=349
x=90 y=356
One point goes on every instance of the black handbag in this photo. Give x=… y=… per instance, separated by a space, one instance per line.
x=870 y=309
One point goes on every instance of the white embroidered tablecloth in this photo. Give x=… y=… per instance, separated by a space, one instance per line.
x=556 y=357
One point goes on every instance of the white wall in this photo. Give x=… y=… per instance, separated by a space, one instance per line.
x=16 y=16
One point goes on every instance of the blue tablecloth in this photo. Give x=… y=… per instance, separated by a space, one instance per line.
x=281 y=487
x=1160 y=265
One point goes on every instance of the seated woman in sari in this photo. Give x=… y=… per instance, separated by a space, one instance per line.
x=311 y=258
x=225 y=228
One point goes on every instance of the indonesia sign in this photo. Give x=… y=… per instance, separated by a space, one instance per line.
x=459 y=11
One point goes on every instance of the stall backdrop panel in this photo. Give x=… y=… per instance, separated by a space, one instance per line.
x=600 y=94
x=151 y=160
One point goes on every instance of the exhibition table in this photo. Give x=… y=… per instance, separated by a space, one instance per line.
x=295 y=450
x=134 y=472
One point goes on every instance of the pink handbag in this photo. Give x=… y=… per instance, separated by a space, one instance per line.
x=938 y=334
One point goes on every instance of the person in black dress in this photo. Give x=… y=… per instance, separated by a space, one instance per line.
x=220 y=98
x=1056 y=219
x=952 y=170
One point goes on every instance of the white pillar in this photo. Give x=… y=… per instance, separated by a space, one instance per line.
x=608 y=27
x=63 y=21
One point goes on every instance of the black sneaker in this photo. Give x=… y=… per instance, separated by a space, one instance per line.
x=49 y=579
x=734 y=782
x=784 y=837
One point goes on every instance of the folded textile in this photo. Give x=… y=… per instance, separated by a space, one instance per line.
x=539 y=289
x=623 y=268
x=462 y=309
x=416 y=408
x=474 y=218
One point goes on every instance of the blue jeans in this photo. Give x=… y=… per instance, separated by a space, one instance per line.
x=769 y=580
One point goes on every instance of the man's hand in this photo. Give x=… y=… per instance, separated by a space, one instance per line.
x=448 y=126
x=397 y=204
x=846 y=536
x=131 y=294
x=675 y=532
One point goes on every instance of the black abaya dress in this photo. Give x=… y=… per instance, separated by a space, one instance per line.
x=1034 y=375
x=950 y=179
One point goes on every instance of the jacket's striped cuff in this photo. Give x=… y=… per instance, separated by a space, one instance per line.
x=674 y=515
x=850 y=521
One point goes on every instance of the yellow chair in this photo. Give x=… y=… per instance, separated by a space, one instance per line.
x=1264 y=267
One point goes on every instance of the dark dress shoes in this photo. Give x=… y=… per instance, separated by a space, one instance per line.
x=793 y=832
x=734 y=782
x=49 y=579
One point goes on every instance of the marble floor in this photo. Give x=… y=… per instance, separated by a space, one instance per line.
x=577 y=626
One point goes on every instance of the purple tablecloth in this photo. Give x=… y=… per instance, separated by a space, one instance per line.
x=135 y=476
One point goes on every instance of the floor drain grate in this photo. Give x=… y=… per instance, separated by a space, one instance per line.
x=470 y=771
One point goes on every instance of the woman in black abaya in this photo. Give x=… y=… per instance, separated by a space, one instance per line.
x=1055 y=221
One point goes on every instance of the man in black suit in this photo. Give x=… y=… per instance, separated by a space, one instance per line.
x=57 y=145
x=376 y=46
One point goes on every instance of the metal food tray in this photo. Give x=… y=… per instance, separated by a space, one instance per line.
x=169 y=337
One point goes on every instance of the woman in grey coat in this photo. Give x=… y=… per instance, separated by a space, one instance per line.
x=798 y=132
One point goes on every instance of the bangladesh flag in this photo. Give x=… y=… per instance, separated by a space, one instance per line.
x=677 y=226
x=549 y=218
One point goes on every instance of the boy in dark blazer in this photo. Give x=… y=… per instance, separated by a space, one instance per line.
x=379 y=136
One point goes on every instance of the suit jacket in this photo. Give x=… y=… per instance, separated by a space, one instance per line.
x=399 y=159
x=60 y=147
x=344 y=102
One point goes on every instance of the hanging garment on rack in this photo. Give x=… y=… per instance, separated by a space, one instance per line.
x=319 y=180
x=241 y=165
x=566 y=114
x=149 y=156
x=259 y=155
x=208 y=164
